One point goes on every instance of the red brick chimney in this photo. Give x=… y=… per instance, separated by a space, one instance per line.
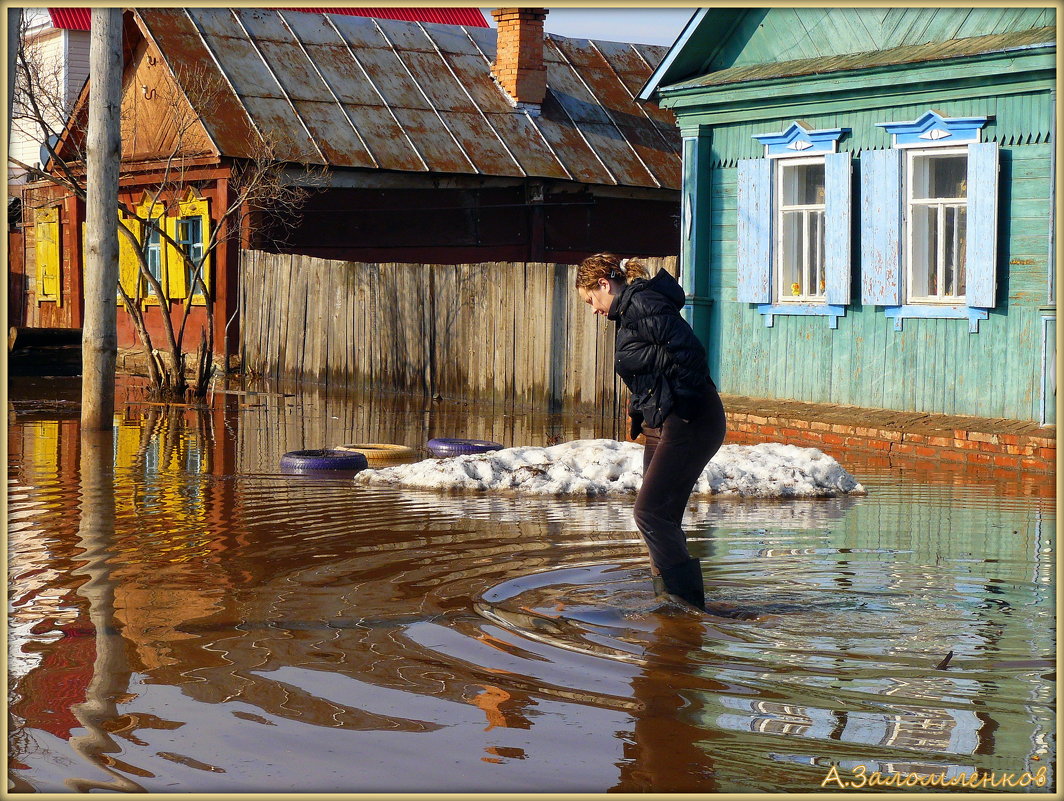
x=518 y=66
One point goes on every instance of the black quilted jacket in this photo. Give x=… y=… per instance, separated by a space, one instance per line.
x=659 y=358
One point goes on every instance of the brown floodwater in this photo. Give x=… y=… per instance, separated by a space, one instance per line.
x=184 y=617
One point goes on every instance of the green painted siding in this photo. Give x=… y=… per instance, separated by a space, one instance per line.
x=785 y=34
x=931 y=365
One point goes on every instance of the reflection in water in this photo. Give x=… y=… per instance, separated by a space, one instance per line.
x=186 y=618
x=110 y=670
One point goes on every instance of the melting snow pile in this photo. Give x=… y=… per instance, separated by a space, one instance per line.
x=605 y=466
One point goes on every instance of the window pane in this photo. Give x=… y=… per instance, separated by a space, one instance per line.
x=940 y=177
x=803 y=184
x=188 y=232
x=924 y=252
x=959 y=249
x=791 y=263
x=153 y=255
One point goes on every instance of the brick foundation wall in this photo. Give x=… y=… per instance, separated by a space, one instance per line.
x=1032 y=451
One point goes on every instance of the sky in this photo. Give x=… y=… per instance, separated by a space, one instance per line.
x=658 y=26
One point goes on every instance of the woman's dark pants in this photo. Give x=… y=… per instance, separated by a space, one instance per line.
x=674 y=457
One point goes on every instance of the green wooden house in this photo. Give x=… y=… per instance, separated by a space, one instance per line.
x=868 y=203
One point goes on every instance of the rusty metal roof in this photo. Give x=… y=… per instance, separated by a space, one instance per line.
x=905 y=54
x=356 y=92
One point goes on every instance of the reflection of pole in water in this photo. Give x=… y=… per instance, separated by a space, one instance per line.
x=110 y=672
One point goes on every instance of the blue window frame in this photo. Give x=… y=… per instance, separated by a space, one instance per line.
x=794 y=224
x=929 y=212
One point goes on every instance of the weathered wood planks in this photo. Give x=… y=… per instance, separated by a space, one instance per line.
x=510 y=334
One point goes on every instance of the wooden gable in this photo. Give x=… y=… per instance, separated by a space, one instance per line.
x=158 y=120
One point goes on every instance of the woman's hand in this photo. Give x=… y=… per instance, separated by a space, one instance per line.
x=635 y=426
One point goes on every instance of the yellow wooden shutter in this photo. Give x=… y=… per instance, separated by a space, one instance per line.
x=174 y=264
x=44 y=447
x=47 y=230
x=128 y=262
x=127 y=445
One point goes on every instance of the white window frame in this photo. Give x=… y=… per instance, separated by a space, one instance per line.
x=911 y=155
x=783 y=294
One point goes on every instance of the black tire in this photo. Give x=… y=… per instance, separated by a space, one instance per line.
x=442 y=447
x=322 y=459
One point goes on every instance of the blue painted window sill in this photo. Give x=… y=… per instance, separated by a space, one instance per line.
x=969 y=313
x=771 y=310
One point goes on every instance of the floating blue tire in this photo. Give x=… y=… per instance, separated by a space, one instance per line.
x=442 y=447
x=322 y=459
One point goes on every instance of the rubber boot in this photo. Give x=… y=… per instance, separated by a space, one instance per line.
x=659 y=585
x=685 y=581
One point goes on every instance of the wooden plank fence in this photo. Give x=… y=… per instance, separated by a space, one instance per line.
x=514 y=334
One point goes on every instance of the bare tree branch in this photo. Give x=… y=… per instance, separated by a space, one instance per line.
x=163 y=130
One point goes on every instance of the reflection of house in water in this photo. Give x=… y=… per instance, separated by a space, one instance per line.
x=167 y=517
x=774 y=717
x=777 y=718
x=927 y=729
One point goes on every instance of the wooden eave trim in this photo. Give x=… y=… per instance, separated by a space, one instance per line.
x=940 y=72
x=159 y=166
x=760 y=103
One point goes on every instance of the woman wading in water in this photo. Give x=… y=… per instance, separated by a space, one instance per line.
x=674 y=404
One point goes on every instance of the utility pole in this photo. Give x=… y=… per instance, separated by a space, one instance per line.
x=99 y=338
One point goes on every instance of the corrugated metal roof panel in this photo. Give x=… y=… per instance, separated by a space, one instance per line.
x=79 y=19
x=905 y=54
x=639 y=146
x=433 y=141
x=352 y=91
x=71 y=19
x=491 y=155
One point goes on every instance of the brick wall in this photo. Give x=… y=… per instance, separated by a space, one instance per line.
x=926 y=437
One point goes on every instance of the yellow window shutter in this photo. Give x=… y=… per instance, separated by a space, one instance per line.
x=127 y=445
x=47 y=229
x=44 y=447
x=174 y=264
x=128 y=263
